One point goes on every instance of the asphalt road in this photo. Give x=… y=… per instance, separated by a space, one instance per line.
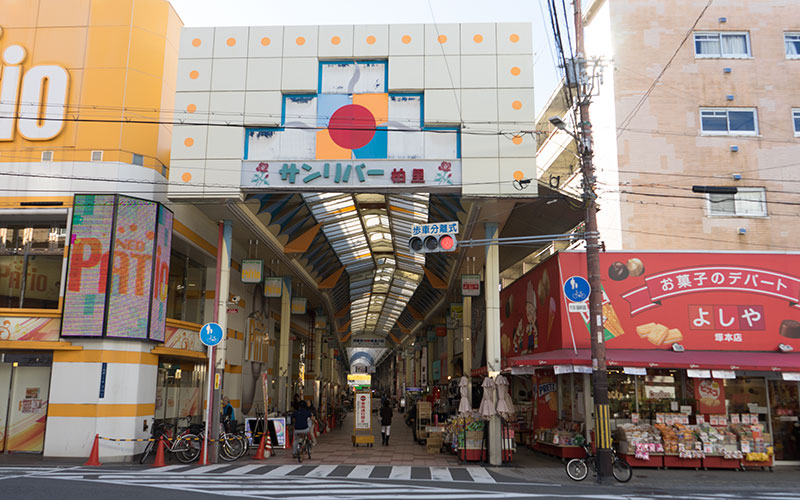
x=312 y=482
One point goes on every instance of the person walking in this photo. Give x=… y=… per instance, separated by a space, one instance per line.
x=386 y=422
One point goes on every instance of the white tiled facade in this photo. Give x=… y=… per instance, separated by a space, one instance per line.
x=476 y=76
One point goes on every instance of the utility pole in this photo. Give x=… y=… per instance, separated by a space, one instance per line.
x=592 y=236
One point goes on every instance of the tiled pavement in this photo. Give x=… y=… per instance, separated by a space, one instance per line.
x=336 y=447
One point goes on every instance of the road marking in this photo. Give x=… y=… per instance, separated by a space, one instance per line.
x=243 y=469
x=480 y=475
x=321 y=471
x=402 y=472
x=361 y=472
x=160 y=470
x=440 y=474
x=281 y=470
x=204 y=468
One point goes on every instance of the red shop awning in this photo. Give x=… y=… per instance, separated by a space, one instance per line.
x=550 y=358
x=654 y=358
x=710 y=360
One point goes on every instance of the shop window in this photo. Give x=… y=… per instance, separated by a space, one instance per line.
x=664 y=391
x=722 y=45
x=621 y=393
x=187 y=289
x=31 y=258
x=747 y=395
x=747 y=202
x=179 y=393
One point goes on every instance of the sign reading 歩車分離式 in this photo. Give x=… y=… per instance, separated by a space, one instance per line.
x=343 y=175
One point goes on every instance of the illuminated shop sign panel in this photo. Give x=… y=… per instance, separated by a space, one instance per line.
x=352 y=134
x=118 y=268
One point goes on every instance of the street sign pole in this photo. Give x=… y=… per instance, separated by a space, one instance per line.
x=210 y=335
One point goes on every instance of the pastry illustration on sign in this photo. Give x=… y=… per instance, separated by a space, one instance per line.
x=658 y=334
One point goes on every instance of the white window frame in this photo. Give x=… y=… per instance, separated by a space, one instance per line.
x=795 y=116
x=727 y=117
x=739 y=203
x=786 y=36
x=719 y=35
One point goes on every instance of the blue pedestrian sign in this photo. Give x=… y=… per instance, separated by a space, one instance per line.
x=211 y=334
x=577 y=289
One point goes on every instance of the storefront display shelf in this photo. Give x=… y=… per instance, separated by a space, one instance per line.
x=655 y=460
x=747 y=464
x=720 y=462
x=560 y=451
x=676 y=462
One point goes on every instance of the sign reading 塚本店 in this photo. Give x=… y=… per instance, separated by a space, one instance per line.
x=362 y=414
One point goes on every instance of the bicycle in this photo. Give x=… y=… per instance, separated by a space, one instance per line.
x=181 y=447
x=304 y=447
x=578 y=468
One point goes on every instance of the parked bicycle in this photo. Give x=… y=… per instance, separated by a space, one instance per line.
x=181 y=446
x=578 y=468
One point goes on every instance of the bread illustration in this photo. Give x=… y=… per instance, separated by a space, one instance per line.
x=658 y=334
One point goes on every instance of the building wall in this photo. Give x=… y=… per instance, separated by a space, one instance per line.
x=662 y=151
x=478 y=75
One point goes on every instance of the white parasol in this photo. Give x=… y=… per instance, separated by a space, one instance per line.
x=464 y=387
x=504 y=403
x=488 y=401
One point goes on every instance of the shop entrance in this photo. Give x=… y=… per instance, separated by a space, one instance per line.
x=24 y=392
x=785 y=406
x=179 y=392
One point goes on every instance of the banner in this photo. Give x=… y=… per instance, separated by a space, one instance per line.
x=362 y=411
x=709 y=395
x=158 y=308
x=702 y=301
x=545 y=401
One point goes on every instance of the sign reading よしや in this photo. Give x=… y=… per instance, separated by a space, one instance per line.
x=703 y=301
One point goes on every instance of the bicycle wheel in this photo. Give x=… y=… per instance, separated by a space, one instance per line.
x=621 y=470
x=230 y=447
x=308 y=448
x=300 y=453
x=577 y=470
x=245 y=444
x=147 y=450
x=187 y=448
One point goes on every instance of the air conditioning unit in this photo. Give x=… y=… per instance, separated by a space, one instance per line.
x=97 y=156
x=47 y=156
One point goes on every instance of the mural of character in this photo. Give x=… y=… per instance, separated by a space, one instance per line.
x=532 y=329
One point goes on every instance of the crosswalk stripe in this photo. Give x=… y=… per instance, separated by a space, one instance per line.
x=243 y=469
x=361 y=472
x=441 y=474
x=480 y=475
x=281 y=470
x=205 y=468
x=322 y=471
x=400 y=472
x=160 y=470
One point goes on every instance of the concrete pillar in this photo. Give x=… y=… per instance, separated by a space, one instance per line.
x=284 y=380
x=317 y=365
x=493 y=333
x=450 y=347
x=466 y=343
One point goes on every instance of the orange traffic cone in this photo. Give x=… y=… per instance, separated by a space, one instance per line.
x=160 y=453
x=202 y=460
x=260 y=452
x=268 y=448
x=94 y=456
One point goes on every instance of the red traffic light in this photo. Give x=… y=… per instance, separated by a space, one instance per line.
x=446 y=243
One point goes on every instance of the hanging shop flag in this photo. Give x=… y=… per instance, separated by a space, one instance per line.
x=299 y=305
x=252 y=270
x=273 y=286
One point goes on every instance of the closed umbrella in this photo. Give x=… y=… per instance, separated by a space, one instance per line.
x=487 y=403
x=504 y=403
x=464 y=406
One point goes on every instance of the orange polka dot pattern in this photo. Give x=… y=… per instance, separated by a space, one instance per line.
x=516 y=105
x=191 y=108
x=189 y=142
x=517 y=140
x=194 y=74
x=406 y=39
x=478 y=38
x=370 y=40
x=265 y=41
x=442 y=38
x=231 y=42
x=514 y=38
x=336 y=40
x=300 y=40
x=515 y=71
x=186 y=177
x=196 y=42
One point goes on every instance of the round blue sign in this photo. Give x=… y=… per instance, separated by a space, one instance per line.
x=211 y=334
x=577 y=289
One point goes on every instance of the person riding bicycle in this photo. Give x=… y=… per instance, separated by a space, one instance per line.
x=302 y=425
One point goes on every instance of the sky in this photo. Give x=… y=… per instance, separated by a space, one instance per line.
x=320 y=12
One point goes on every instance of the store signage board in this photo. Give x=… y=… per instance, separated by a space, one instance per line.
x=581 y=369
x=352 y=175
x=299 y=305
x=698 y=373
x=723 y=374
x=360 y=342
x=471 y=285
x=252 y=271
x=273 y=286
x=362 y=411
x=577 y=289
x=211 y=334
x=562 y=369
x=634 y=370
x=791 y=376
